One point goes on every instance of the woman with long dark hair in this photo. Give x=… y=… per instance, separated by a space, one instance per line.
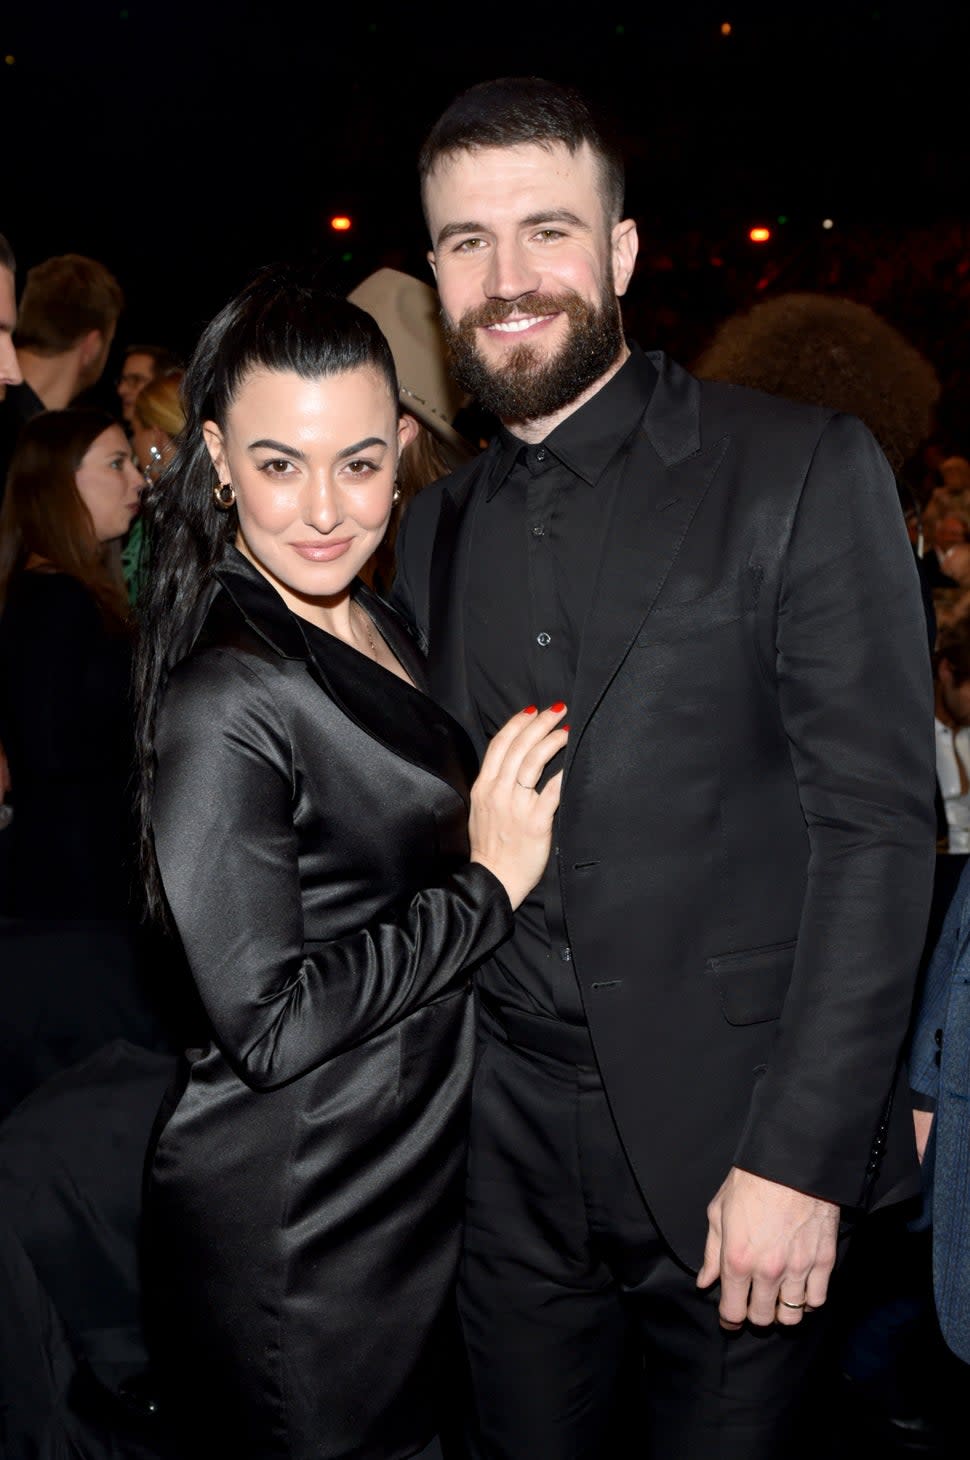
x=65 y=665
x=308 y=826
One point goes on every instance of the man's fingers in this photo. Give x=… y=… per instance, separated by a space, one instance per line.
x=711 y=1266
x=791 y=1305
x=763 y=1301
x=735 y=1292
x=817 y=1287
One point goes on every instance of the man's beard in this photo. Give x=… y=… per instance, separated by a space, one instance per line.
x=527 y=386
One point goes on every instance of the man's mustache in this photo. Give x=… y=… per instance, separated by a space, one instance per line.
x=497 y=311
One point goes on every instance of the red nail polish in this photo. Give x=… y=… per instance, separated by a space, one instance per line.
x=564 y=727
x=558 y=707
x=529 y=710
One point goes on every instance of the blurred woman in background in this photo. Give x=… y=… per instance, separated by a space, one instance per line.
x=65 y=658
x=157 y=419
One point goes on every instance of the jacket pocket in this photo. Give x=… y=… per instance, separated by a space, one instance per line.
x=751 y=985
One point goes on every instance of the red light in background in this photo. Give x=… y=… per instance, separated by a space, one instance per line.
x=759 y=235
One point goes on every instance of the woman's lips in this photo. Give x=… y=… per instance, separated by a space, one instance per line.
x=322 y=552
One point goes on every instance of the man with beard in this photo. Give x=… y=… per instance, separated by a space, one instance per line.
x=690 y=1042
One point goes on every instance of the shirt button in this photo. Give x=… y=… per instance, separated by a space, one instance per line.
x=543 y=639
x=541 y=454
x=538 y=530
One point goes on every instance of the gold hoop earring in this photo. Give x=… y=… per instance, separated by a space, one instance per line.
x=224 y=494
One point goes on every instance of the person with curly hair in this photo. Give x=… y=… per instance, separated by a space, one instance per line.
x=833 y=353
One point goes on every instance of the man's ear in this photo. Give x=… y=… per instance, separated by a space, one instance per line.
x=216 y=447
x=91 y=347
x=433 y=262
x=624 y=244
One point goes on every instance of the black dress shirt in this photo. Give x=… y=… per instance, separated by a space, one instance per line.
x=537 y=535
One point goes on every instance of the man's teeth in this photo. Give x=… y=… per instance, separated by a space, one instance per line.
x=513 y=326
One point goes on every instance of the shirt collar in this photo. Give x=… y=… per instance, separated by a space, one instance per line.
x=586 y=441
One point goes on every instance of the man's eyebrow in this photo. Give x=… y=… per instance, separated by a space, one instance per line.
x=452 y=230
x=554 y=215
x=532 y=220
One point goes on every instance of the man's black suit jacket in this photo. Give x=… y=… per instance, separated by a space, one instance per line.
x=746 y=834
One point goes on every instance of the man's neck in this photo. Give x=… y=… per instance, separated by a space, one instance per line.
x=52 y=378
x=532 y=432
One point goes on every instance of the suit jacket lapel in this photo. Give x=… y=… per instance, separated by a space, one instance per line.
x=666 y=475
x=447 y=656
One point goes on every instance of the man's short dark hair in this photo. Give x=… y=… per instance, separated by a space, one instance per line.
x=7 y=260
x=521 y=110
x=64 y=299
x=162 y=358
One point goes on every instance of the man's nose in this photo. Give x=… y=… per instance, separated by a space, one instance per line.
x=10 y=371
x=511 y=273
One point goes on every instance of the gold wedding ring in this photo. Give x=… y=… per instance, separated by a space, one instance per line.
x=785 y=1303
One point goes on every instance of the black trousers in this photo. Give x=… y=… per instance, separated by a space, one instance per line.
x=564 y=1277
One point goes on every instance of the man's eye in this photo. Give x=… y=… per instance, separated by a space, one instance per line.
x=469 y=245
x=549 y=234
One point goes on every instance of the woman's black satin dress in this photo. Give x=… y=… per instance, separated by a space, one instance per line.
x=304 y=1197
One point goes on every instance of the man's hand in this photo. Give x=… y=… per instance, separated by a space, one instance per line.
x=770 y=1246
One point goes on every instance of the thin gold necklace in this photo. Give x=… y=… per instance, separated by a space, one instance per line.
x=368 y=629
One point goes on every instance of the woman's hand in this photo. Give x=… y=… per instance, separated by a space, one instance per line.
x=510 y=825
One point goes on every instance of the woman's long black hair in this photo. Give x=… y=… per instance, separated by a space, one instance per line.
x=285 y=320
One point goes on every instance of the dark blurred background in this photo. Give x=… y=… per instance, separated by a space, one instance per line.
x=184 y=144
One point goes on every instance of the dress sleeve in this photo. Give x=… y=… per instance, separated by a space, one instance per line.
x=227 y=853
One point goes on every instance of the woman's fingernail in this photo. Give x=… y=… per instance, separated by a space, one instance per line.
x=558 y=707
x=529 y=710
x=564 y=727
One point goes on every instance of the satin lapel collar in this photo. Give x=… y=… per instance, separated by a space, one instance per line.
x=395 y=632
x=261 y=606
x=666 y=476
x=404 y=720
x=447 y=659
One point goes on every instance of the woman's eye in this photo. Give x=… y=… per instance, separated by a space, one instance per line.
x=277 y=468
x=361 y=468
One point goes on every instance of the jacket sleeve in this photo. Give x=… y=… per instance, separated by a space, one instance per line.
x=855 y=696
x=223 y=820
x=951 y=950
